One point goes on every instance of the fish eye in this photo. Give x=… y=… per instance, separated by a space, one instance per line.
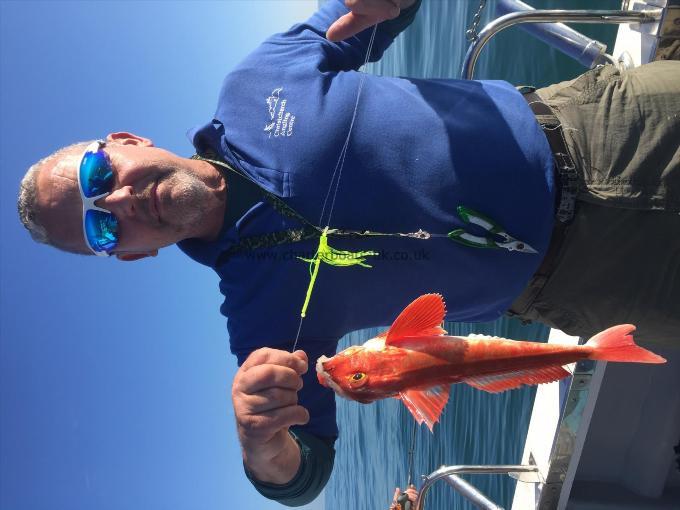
x=358 y=376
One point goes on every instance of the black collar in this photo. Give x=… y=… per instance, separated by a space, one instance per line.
x=242 y=193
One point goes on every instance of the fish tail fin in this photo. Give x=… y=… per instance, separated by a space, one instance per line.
x=617 y=344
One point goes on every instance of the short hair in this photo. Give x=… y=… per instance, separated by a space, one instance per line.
x=28 y=194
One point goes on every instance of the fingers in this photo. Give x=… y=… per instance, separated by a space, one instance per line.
x=348 y=25
x=384 y=9
x=260 y=427
x=270 y=399
x=364 y=14
x=267 y=356
x=269 y=376
x=264 y=394
x=302 y=355
x=270 y=368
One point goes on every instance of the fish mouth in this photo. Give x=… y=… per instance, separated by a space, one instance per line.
x=326 y=380
x=321 y=374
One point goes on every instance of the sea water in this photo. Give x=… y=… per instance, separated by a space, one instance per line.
x=475 y=427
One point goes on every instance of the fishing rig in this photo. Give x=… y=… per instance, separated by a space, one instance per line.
x=494 y=235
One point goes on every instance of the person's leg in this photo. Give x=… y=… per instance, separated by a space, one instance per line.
x=617 y=266
x=620 y=261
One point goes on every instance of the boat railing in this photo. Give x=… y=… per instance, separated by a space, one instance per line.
x=449 y=474
x=586 y=50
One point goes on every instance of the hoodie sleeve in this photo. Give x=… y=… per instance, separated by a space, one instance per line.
x=348 y=54
x=316 y=438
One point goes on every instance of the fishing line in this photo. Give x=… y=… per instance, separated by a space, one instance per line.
x=341 y=160
x=333 y=186
x=410 y=456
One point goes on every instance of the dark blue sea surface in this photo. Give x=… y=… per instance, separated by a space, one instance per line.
x=476 y=427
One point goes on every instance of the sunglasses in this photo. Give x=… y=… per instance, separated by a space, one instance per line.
x=95 y=180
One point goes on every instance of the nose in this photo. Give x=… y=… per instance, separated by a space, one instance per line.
x=120 y=202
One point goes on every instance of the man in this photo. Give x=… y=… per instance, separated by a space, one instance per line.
x=421 y=159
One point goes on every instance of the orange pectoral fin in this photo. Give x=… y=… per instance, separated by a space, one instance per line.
x=421 y=318
x=501 y=382
x=426 y=405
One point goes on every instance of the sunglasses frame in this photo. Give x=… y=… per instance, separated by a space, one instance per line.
x=89 y=202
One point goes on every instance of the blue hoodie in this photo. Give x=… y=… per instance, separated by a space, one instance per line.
x=417 y=150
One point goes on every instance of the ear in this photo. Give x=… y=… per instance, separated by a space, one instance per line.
x=125 y=138
x=129 y=257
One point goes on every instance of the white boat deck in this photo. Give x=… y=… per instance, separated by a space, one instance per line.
x=606 y=442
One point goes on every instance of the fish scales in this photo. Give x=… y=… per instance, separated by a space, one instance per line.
x=474 y=356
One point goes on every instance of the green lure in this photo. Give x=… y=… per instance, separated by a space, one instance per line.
x=333 y=257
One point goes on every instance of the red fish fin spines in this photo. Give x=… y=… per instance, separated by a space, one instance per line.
x=511 y=380
x=617 y=344
x=426 y=405
x=437 y=331
x=423 y=317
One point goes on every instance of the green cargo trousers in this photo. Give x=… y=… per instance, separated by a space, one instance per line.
x=620 y=258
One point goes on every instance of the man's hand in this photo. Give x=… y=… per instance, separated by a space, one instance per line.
x=264 y=394
x=411 y=493
x=364 y=13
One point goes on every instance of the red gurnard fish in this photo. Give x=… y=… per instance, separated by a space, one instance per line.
x=416 y=362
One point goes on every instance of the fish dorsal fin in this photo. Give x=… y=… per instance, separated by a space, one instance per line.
x=421 y=318
x=426 y=405
x=501 y=382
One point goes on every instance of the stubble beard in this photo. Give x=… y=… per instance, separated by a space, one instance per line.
x=188 y=202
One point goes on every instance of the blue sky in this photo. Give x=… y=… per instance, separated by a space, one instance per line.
x=115 y=377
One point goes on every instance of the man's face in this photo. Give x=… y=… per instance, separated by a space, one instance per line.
x=156 y=197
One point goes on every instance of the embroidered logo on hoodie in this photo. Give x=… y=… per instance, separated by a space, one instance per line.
x=280 y=122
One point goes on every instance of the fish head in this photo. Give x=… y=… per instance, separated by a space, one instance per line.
x=357 y=373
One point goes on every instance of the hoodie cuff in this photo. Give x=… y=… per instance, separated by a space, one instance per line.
x=317 y=456
x=395 y=26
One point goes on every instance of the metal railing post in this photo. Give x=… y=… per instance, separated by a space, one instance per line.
x=472 y=493
x=466 y=489
x=588 y=52
x=550 y=16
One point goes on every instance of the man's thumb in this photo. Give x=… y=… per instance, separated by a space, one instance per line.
x=348 y=25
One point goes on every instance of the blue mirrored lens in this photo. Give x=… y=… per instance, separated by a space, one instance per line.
x=101 y=230
x=96 y=176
